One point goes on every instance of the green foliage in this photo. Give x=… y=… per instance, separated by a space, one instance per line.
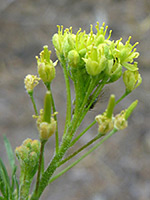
x=8 y=186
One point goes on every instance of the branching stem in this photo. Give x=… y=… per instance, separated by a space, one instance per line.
x=80 y=149
x=82 y=157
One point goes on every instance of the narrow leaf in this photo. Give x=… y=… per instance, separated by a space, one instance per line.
x=13 y=179
x=2 y=183
x=5 y=178
x=10 y=153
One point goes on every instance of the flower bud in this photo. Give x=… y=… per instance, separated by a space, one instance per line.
x=100 y=39
x=22 y=154
x=114 y=70
x=46 y=72
x=28 y=156
x=95 y=61
x=68 y=44
x=73 y=59
x=131 y=80
x=35 y=146
x=46 y=68
x=92 y=67
x=33 y=157
x=56 y=42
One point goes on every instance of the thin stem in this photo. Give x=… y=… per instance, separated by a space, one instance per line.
x=122 y=97
x=55 y=117
x=33 y=102
x=40 y=164
x=74 y=125
x=51 y=169
x=82 y=157
x=82 y=133
x=80 y=149
x=68 y=94
x=48 y=85
x=87 y=94
x=96 y=93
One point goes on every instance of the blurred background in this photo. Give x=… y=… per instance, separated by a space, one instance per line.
x=120 y=168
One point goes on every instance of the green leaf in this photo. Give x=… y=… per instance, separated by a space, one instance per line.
x=2 y=183
x=13 y=179
x=5 y=178
x=2 y=198
x=17 y=188
x=10 y=153
x=14 y=191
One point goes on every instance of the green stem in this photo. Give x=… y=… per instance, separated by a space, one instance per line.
x=33 y=102
x=122 y=97
x=24 y=188
x=40 y=164
x=90 y=88
x=75 y=122
x=51 y=168
x=55 y=117
x=48 y=85
x=96 y=93
x=80 y=149
x=82 y=157
x=68 y=94
x=82 y=133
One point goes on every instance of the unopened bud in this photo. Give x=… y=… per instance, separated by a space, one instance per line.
x=46 y=67
x=46 y=72
x=73 y=59
x=56 y=41
x=96 y=60
x=131 y=80
x=68 y=44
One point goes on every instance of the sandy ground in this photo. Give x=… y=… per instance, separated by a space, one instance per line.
x=120 y=169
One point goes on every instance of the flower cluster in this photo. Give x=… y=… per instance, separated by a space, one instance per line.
x=106 y=121
x=95 y=58
x=98 y=52
x=28 y=156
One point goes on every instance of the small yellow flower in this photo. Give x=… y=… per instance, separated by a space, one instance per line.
x=31 y=82
x=105 y=124
x=47 y=129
